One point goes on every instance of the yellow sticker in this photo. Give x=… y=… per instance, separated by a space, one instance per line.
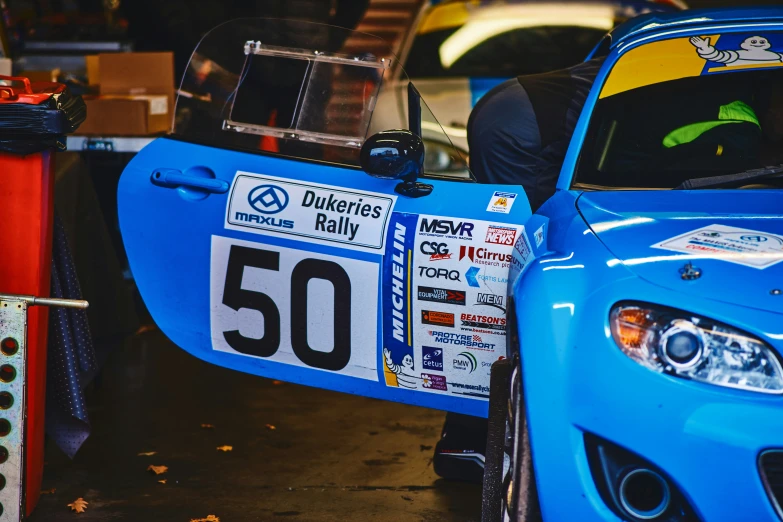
x=667 y=60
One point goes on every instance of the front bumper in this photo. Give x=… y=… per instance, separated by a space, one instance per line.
x=707 y=439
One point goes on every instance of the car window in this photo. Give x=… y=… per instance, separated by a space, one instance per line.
x=503 y=39
x=520 y=51
x=687 y=108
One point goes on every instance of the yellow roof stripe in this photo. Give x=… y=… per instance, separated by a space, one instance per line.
x=655 y=62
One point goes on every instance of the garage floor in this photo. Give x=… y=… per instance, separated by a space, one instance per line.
x=329 y=457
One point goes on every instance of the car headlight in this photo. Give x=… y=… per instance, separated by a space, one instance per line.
x=681 y=344
x=440 y=158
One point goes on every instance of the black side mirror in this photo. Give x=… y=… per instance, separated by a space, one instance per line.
x=396 y=154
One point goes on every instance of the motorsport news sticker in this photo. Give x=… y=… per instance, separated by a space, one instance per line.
x=501 y=202
x=499 y=235
x=735 y=245
x=266 y=204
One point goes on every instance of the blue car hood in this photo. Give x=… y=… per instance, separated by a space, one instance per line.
x=734 y=237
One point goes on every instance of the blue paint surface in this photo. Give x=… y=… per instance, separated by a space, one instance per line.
x=167 y=235
x=599 y=251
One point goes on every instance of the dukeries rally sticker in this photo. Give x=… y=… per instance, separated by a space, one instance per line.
x=322 y=213
x=734 y=245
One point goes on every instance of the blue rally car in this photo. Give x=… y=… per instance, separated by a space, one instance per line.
x=624 y=340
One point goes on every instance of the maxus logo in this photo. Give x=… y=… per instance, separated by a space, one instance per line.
x=465 y=362
x=268 y=199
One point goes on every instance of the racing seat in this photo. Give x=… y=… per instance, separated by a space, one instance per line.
x=677 y=135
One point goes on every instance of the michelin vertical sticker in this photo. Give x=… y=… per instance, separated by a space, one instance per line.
x=742 y=246
x=270 y=205
x=458 y=275
x=399 y=366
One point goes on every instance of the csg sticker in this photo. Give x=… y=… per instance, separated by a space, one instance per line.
x=735 y=245
x=501 y=202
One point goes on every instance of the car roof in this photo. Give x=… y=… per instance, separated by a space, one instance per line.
x=663 y=21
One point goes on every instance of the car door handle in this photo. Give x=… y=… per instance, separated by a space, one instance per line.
x=170 y=178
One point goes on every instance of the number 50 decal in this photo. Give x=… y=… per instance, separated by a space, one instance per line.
x=294 y=307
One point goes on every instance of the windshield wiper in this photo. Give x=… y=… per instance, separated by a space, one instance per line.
x=730 y=180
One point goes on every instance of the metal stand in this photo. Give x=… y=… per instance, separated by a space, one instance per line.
x=13 y=407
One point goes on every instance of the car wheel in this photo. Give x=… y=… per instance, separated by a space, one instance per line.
x=495 y=455
x=520 y=501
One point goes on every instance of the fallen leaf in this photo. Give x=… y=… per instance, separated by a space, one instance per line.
x=210 y=518
x=158 y=470
x=277 y=383
x=207 y=426
x=225 y=448
x=270 y=427
x=162 y=481
x=146 y=328
x=48 y=491
x=79 y=505
x=147 y=454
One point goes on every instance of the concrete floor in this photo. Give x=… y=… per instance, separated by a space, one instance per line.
x=332 y=457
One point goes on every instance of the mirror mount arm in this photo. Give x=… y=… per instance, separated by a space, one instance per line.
x=413 y=189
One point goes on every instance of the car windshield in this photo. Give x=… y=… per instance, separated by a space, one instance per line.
x=461 y=39
x=719 y=111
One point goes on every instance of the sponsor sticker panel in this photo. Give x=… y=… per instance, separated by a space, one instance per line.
x=460 y=274
x=742 y=246
x=323 y=214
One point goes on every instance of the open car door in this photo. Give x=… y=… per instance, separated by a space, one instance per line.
x=258 y=244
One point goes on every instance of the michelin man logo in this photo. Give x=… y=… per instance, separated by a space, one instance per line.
x=404 y=371
x=755 y=51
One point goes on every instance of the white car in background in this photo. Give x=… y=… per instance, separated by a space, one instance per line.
x=456 y=51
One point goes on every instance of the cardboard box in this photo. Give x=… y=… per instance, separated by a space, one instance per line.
x=136 y=94
x=41 y=76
